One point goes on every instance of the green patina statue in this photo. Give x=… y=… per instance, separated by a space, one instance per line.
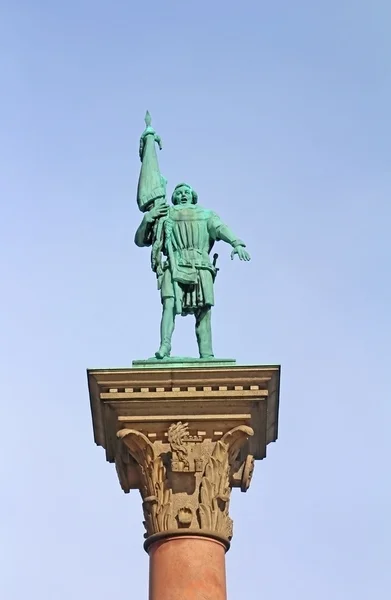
x=182 y=237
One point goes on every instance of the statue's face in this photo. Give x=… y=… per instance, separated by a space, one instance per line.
x=183 y=195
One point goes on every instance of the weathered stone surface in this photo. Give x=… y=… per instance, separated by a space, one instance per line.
x=185 y=437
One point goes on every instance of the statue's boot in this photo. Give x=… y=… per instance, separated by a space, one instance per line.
x=164 y=350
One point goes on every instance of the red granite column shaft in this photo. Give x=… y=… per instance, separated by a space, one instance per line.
x=187 y=568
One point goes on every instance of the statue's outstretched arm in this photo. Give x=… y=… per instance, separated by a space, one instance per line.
x=219 y=231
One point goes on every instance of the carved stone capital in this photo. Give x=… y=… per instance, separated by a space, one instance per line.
x=185 y=479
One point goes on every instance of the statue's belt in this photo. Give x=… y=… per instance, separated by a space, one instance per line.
x=187 y=273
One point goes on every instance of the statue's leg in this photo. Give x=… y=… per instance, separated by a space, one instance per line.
x=203 y=329
x=167 y=325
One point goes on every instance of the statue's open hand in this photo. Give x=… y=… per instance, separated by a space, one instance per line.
x=241 y=252
x=161 y=210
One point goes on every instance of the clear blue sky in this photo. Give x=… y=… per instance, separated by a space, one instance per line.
x=278 y=113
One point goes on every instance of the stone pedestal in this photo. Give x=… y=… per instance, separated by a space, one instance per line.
x=184 y=436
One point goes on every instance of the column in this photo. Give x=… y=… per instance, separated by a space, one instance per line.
x=185 y=436
x=187 y=567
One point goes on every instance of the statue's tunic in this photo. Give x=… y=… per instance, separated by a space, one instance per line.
x=186 y=238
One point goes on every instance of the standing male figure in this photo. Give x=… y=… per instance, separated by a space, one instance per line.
x=182 y=237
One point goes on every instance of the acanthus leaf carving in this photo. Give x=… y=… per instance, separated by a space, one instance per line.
x=154 y=487
x=215 y=487
x=215 y=493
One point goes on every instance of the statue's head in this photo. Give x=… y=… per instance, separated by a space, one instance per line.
x=183 y=195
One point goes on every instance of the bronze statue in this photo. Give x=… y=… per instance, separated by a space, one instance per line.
x=182 y=237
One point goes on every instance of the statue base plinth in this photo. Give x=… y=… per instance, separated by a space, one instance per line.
x=182 y=361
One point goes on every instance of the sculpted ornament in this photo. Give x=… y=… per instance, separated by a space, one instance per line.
x=154 y=486
x=184 y=457
x=185 y=480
